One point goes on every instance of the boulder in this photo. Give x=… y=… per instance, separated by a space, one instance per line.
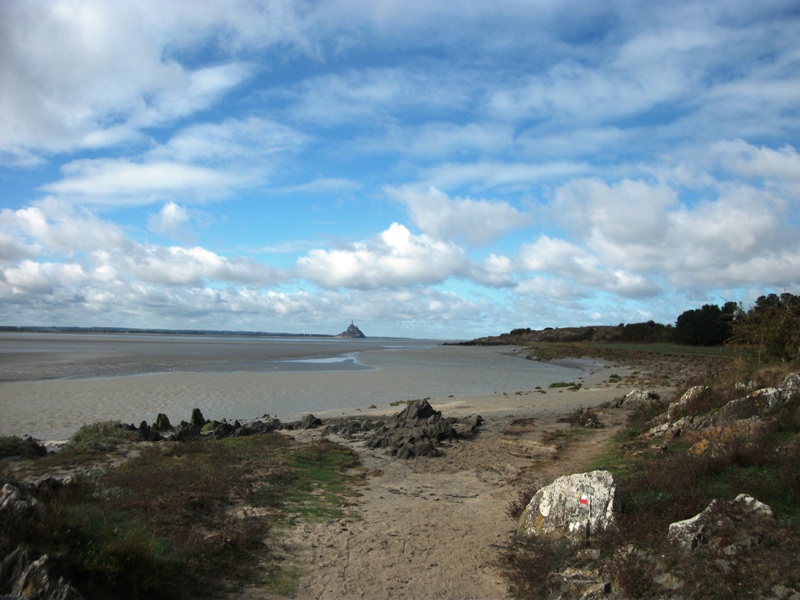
x=750 y=406
x=677 y=409
x=162 y=423
x=417 y=430
x=738 y=521
x=572 y=507
x=15 y=503
x=197 y=419
x=791 y=384
x=636 y=398
x=185 y=431
x=309 y=422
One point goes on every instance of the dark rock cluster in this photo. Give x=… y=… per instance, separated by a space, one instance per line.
x=198 y=427
x=418 y=430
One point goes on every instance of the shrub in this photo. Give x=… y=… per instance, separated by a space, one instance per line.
x=102 y=436
x=13 y=446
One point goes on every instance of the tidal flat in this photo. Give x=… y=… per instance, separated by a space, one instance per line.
x=51 y=384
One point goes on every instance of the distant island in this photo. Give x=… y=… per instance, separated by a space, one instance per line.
x=352 y=332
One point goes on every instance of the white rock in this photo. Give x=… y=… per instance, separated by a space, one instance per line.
x=572 y=506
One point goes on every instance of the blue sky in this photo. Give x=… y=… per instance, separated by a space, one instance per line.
x=429 y=169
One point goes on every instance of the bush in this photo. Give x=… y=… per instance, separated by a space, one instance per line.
x=102 y=436
x=13 y=446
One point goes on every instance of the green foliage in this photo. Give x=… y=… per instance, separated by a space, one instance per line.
x=103 y=436
x=771 y=327
x=14 y=446
x=647 y=333
x=572 y=386
x=706 y=326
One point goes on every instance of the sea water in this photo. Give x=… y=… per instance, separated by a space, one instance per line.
x=50 y=384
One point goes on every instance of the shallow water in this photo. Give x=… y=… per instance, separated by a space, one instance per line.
x=51 y=384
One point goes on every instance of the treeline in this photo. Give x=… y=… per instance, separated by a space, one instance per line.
x=770 y=329
x=771 y=326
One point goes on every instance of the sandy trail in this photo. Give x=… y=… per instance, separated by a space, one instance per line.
x=435 y=527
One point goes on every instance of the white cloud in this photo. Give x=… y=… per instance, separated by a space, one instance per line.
x=550 y=255
x=91 y=249
x=176 y=265
x=493 y=174
x=747 y=160
x=395 y=258
x=92 y=74
x=121 y=181
x=232 y=141
x=52 y=226
x=496 y=271
x=171 y=220
x=475 y=221
x=629 y=212
x=201 y=162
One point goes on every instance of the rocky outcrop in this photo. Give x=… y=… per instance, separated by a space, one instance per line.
x=573 y=507
x=352 y=332
x=739 y=523
x=418 y=430
x=741 y=416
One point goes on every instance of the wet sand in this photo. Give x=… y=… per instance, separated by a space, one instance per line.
x=244 y=383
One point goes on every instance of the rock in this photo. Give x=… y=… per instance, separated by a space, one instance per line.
x=421 y=409
x=15 y=503
x=791 y=384
x=162 y=423
x=573 y=507
x=417 y=430
x=197 y=419
x=309 y=422
x=185 y=431
x=740 y=520
x=753 y=405
x=677 y=409
x=33 y=579
x=50 y=484
x=636 y=398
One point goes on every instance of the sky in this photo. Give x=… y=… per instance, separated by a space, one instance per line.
x=431 y=169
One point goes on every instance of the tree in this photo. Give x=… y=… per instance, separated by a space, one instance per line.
x=706 y=326
x=772 y=326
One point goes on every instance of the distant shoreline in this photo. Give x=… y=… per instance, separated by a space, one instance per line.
x=153 y=331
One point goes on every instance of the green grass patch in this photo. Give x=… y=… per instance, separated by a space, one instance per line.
x=570 y=385
x=187 y=520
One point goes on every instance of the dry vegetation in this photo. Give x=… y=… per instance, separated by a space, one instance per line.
x=662 y=481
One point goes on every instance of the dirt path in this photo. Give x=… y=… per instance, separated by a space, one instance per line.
x=435 y=528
